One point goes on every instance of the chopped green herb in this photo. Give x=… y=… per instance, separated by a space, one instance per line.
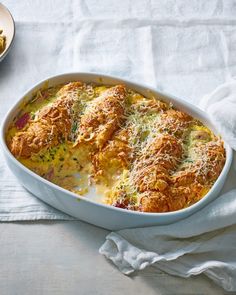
x=74 y=127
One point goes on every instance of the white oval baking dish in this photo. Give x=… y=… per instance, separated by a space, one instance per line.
x=89 y=210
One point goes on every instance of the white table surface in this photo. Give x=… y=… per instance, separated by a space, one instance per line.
x=62 y=257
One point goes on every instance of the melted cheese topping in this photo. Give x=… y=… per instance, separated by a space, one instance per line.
x=140 y=153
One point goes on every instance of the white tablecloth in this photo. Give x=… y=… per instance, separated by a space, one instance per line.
x=186 y=48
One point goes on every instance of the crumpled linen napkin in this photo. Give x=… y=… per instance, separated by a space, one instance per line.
x=202 y=243
x=221 y=106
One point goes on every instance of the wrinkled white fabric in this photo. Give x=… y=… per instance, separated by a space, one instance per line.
x=221 y=107
x=186 y=49
x=202 y=243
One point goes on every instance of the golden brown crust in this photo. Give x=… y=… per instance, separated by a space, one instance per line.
x=154 y=201
x=150 y=106
x=116 y=154
x=210 y=158
x=151 y=170
x=174 y=122
x=52 y=124
x=189 y=185
x=102 y=117
x=171 y=199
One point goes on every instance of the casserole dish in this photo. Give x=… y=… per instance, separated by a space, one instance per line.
x=87 y=208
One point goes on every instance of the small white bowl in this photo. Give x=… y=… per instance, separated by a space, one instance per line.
x=84 y=208
x=8 y=26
